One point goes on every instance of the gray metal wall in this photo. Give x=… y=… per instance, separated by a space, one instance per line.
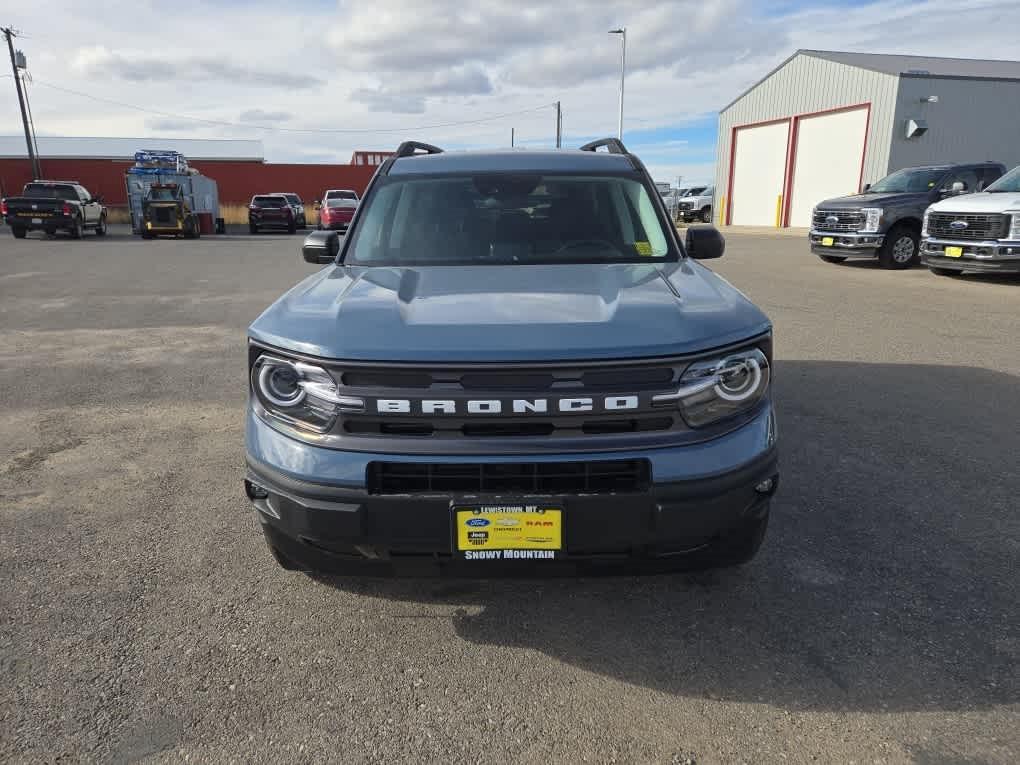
x=974 y=120
x=809 y=84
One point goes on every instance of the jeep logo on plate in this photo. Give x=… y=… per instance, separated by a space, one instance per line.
x=958 y=225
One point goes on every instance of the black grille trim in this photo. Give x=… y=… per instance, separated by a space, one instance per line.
x=538 y=478
x=980 y=226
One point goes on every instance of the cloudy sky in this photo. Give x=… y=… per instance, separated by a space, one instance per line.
x=316 y=79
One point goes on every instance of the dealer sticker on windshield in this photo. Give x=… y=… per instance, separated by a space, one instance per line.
x=643 y=248
x=508 y=532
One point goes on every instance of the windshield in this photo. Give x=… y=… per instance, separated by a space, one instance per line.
x=160 y=195
x=341 y=195
x=269 y=202
x=1010 y=182
x=44 y=191
x=908 y=181
x=695 y=191
x=294 y=199
x=500 y=218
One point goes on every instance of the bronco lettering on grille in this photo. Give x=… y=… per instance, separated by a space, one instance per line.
x=496 y=406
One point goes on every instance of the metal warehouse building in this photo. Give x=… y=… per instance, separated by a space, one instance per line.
x=824 y=123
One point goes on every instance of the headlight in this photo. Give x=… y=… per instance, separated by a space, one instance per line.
x=719 y=388
x=299 y=394
x=924 y=224
x=872 y=216
x=1014 y=227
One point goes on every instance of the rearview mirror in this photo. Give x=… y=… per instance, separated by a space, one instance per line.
x=705 y=242
x=321 y=247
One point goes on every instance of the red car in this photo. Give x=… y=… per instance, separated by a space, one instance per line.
x=337 y=209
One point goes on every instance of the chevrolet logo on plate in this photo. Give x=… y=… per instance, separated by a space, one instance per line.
x=958 y=225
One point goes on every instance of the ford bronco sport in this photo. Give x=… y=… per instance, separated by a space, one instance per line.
x=511 y=360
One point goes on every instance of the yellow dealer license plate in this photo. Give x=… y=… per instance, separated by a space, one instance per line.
x=826 y=241
x=954 y=252
x=522 y=531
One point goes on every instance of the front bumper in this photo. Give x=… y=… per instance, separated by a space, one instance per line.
x=993 y=256
x=845 y=245
x=318 y=512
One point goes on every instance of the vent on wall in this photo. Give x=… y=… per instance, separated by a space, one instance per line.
x=916 y=128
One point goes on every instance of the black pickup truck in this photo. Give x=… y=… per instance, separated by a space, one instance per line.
x=53 y=206
x=885 y=221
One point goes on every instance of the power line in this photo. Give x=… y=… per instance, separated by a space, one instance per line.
x=274 y=128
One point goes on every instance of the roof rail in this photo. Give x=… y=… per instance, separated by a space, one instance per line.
x=409 y=148
x=50 y=180
x=615 y=146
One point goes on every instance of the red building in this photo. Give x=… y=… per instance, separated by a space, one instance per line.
x=238 y=167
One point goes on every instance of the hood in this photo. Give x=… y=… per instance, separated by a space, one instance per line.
x=854 y=201
x=982 y=202
x=509 y=313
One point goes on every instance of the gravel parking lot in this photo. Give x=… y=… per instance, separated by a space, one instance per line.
x=142 y=616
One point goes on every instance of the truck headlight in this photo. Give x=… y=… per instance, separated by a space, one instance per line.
x=924 y=223
x=299 y=394
x=872 y=217
x=1014 y=227
x=718 y=388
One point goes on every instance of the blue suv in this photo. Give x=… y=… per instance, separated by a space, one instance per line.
x=511 y=361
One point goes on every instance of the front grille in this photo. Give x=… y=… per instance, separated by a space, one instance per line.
x=553 y=478
x=980 y=226
x=596 y=382
x=164 y=214
x=847 y=221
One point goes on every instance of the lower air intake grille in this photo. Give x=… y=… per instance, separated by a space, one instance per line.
x=509 y=477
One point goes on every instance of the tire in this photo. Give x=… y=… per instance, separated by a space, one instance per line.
x=101 y=226
x=303 y=223
x=252 y=228
x=832 y=258
x=706 y=214
x=292 y=229
x=78 y=231
x=894 y=253
x=148 y=235
x=944 y=271
x=19 y=232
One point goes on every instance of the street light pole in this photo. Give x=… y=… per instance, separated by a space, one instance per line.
x=622 y=31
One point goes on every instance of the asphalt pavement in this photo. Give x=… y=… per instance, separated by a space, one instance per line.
x=142 y=617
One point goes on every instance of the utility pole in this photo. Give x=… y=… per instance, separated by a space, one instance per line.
x=622 y=31
x=9 y=34
x=559 y=126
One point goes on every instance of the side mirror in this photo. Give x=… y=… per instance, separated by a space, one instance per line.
x=705 y=242
x=867 y=186
x=958 y=187
x=321 y=247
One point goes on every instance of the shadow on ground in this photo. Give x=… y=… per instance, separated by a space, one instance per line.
x=888 y=580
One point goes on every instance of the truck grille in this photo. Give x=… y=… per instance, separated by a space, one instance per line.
x=602 y=477
x=980 y=226
x=847 y=220
x=550 y=385
x=163 y=215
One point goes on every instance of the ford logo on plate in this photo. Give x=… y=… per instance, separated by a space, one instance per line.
x=958 y=225
x=477 y=522
x=832 y=219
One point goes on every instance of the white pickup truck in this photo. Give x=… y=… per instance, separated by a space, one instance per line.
x=975 y=232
